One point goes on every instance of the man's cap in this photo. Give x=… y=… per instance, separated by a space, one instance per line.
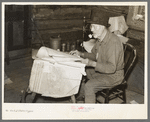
x=100 y=16
x=101 y=20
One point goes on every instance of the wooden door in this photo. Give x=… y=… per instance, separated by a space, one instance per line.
x=16 y=29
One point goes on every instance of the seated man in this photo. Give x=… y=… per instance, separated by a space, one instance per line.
x=106 y=61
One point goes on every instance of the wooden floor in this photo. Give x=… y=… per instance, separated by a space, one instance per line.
x=19 y=72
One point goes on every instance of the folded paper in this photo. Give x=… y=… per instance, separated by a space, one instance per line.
x=118 y=27
x=118 y=24
x=88 y=45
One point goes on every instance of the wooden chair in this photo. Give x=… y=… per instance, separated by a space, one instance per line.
x=119 y=91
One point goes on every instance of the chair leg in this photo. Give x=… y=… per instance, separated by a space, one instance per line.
x=73 y=99
x=124 y=95
x=107 y=96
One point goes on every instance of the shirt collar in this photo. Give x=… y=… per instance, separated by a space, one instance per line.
x=106 y=38
x=104 y=41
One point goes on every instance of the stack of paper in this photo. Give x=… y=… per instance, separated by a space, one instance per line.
x=56 y=74
x=55 y=80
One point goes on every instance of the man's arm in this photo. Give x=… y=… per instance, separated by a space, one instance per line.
x=92 y=55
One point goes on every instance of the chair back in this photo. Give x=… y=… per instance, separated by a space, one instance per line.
x=129 y=59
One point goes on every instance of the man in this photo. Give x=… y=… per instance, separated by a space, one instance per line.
x=105 y=62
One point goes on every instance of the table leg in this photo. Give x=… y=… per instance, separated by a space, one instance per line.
x=27 y=96
x=30 y=97
x=73 y=99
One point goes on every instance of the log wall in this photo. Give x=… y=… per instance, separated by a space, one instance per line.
x=66 y=21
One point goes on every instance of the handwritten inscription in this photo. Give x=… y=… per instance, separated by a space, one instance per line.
x=81 y=109
x=13 y=110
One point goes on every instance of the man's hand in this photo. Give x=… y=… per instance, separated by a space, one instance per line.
x=88 y=62
x=76 y=53
x=85 y=61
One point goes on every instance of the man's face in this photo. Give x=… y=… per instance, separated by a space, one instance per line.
x=97 y=30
